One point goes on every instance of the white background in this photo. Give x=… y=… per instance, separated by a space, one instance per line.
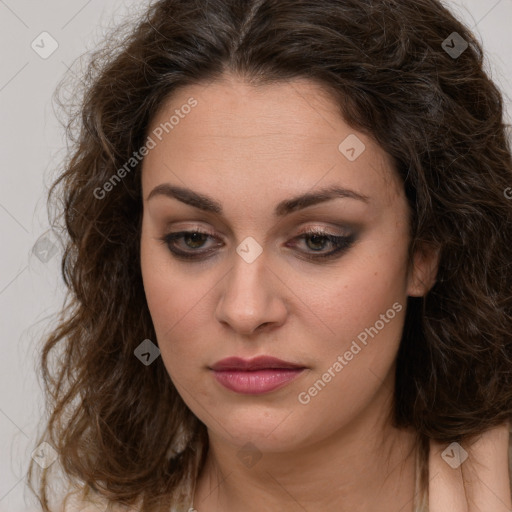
x=31 y=146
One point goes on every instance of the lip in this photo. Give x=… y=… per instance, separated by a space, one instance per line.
x=257 y=363
x=255 y=376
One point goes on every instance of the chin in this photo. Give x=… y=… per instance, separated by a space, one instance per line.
x=265 y=432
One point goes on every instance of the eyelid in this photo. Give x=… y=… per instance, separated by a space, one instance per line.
x=345 y=229
x=322 y=230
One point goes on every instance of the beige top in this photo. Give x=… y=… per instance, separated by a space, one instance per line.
x=476 y=480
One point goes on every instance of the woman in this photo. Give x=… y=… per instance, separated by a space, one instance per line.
x=289 y=265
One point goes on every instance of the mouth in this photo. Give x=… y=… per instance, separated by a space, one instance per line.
x=255 y=376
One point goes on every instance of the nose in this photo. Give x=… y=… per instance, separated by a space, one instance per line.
x=252 y=297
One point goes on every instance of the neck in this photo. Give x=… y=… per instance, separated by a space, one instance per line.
x=365 y=466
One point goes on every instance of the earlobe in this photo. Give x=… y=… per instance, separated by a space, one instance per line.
x=423 y=273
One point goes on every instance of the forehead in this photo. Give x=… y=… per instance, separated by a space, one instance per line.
x=286 y=136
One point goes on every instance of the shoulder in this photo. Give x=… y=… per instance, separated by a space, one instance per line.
x=487 y=461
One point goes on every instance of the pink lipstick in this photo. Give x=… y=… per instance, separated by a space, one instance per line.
x=255 y=376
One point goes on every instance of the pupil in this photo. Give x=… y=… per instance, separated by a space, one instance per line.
x=196 y=238
x=317 y=238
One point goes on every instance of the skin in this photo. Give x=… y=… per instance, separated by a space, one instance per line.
x=250 y=148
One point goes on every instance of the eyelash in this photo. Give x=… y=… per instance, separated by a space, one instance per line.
x=341 y=243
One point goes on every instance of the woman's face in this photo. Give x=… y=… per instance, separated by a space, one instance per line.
x=258 y=285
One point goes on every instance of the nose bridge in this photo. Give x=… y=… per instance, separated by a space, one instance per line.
x=249 y=296
x=246 y=287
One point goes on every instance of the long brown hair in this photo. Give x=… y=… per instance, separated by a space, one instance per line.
x=401 y=76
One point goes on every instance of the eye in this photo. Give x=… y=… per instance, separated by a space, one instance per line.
x=196 y=238
x=318 y=238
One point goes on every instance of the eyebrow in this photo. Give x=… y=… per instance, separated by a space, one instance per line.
x=208 y=204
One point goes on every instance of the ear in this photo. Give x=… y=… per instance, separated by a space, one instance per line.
x=422 y=274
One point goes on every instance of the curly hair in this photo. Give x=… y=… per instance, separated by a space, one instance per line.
x=122 y=430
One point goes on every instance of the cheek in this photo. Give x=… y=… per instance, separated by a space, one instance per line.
x=170 y=310
x=177 y=302
x=169 y=293
x=162 y=288
x=355 y=363
x=360 y=291
x=365 y=312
